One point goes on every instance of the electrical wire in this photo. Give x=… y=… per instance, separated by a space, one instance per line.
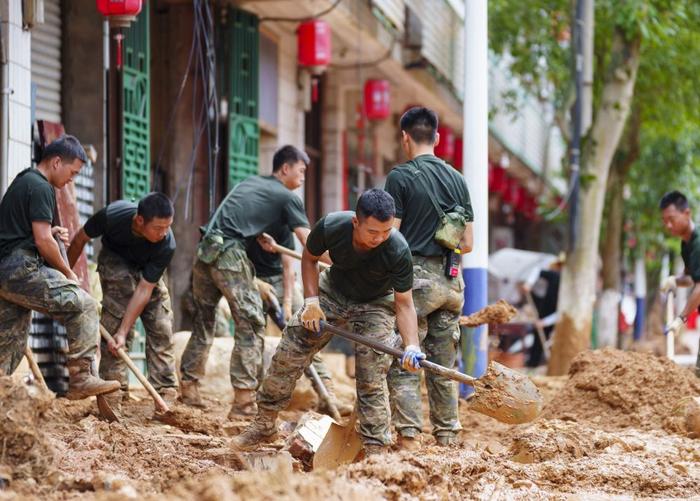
x=300 y=19
x=367 y=64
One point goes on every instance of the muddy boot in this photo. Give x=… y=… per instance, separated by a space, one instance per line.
x=262 y=430
x=243 y=404
x=343 y=409
x=82 y=383
x=375 y=450
x=445 y=440
x=168 y=394
x=410 y=444
x=189 y=394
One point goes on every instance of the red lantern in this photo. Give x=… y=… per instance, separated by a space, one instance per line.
x=119 y=12
x=377 y=99
x=458 y=161
x=446 y=147
x=498 y=182
x=314 y=45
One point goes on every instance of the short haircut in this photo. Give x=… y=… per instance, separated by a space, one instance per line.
x=288 y=154
x=421 y=124
x=377 y=204
x=155 y=205
x=67 y=147
x=675 y=198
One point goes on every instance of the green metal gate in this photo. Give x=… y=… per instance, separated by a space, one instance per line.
x=136 y=137
x=241 y=44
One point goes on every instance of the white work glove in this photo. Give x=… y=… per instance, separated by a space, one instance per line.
x=312 y=314
x=412 y=357
x=675 y=326
x=669 y=284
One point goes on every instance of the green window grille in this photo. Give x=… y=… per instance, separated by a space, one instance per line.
x=136 y=137
x=242 y=46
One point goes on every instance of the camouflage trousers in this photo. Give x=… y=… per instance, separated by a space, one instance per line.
x=27 y=284
x=374 y=319
x=438 y=302
x=119 y=281
x=231 y=275
x=277 y=282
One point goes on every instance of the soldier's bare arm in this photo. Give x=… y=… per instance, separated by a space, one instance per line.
x=288 y=284
x=80 y=239
x=48 y=248
x=137 y=303
x=693 y=301
x=406 y=318
x=309 y=273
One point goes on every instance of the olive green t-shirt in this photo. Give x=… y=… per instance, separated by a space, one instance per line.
x=257 y=205
x=419 y=219
x=113 y=224
x=361 y=275
x=269 y=264
x=29 y=198
x=690 y=252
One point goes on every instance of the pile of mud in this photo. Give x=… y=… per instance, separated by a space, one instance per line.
x=24 y=452
x=497 y=313
x=612 y=390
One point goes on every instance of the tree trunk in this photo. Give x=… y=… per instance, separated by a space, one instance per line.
x=611 y=246
x=578 y=281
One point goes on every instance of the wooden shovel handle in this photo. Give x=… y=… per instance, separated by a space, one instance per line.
x=36 y=371
x=160 y=403
x=396 y=353
x=289 y=252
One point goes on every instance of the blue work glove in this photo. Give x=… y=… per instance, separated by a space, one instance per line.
x=411 y=358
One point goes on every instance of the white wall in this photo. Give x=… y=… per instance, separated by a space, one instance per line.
x=18 y=46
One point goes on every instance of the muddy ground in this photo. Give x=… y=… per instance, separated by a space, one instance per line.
x=614 y=428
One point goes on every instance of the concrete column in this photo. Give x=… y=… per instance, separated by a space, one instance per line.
x=475 y=343
x=332 y=144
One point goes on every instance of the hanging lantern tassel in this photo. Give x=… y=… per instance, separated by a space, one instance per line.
x=314 y=90
x=118 y=38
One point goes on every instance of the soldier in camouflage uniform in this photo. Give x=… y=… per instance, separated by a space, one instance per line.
x=255 y=206
x=34 y=275
x=137 y=246
x=367 y=289
x=277 y=270
x=438 y=298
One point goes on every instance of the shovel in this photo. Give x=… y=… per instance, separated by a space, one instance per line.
x=502 y=393
x=670 y=336
x=102 y=405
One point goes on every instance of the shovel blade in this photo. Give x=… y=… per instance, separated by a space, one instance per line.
x=340 y=446
x=105 y=410
x=506 y=395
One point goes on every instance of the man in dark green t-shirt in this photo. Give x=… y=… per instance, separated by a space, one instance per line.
x=254 y=206
x=417 y=186
x=137 y=246
x=34 y=275
x=678 y=221
x=368 y=288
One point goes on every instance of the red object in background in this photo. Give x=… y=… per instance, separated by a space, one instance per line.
x=446 y=147
x=314 y=44
x=512 y=192
x=692 y=322
x=376 y=99
x=522 y=202
x=458 y=161
x=119 y=12
x=498 y=182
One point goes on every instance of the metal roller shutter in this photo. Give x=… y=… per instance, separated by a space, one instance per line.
x=46 y=63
